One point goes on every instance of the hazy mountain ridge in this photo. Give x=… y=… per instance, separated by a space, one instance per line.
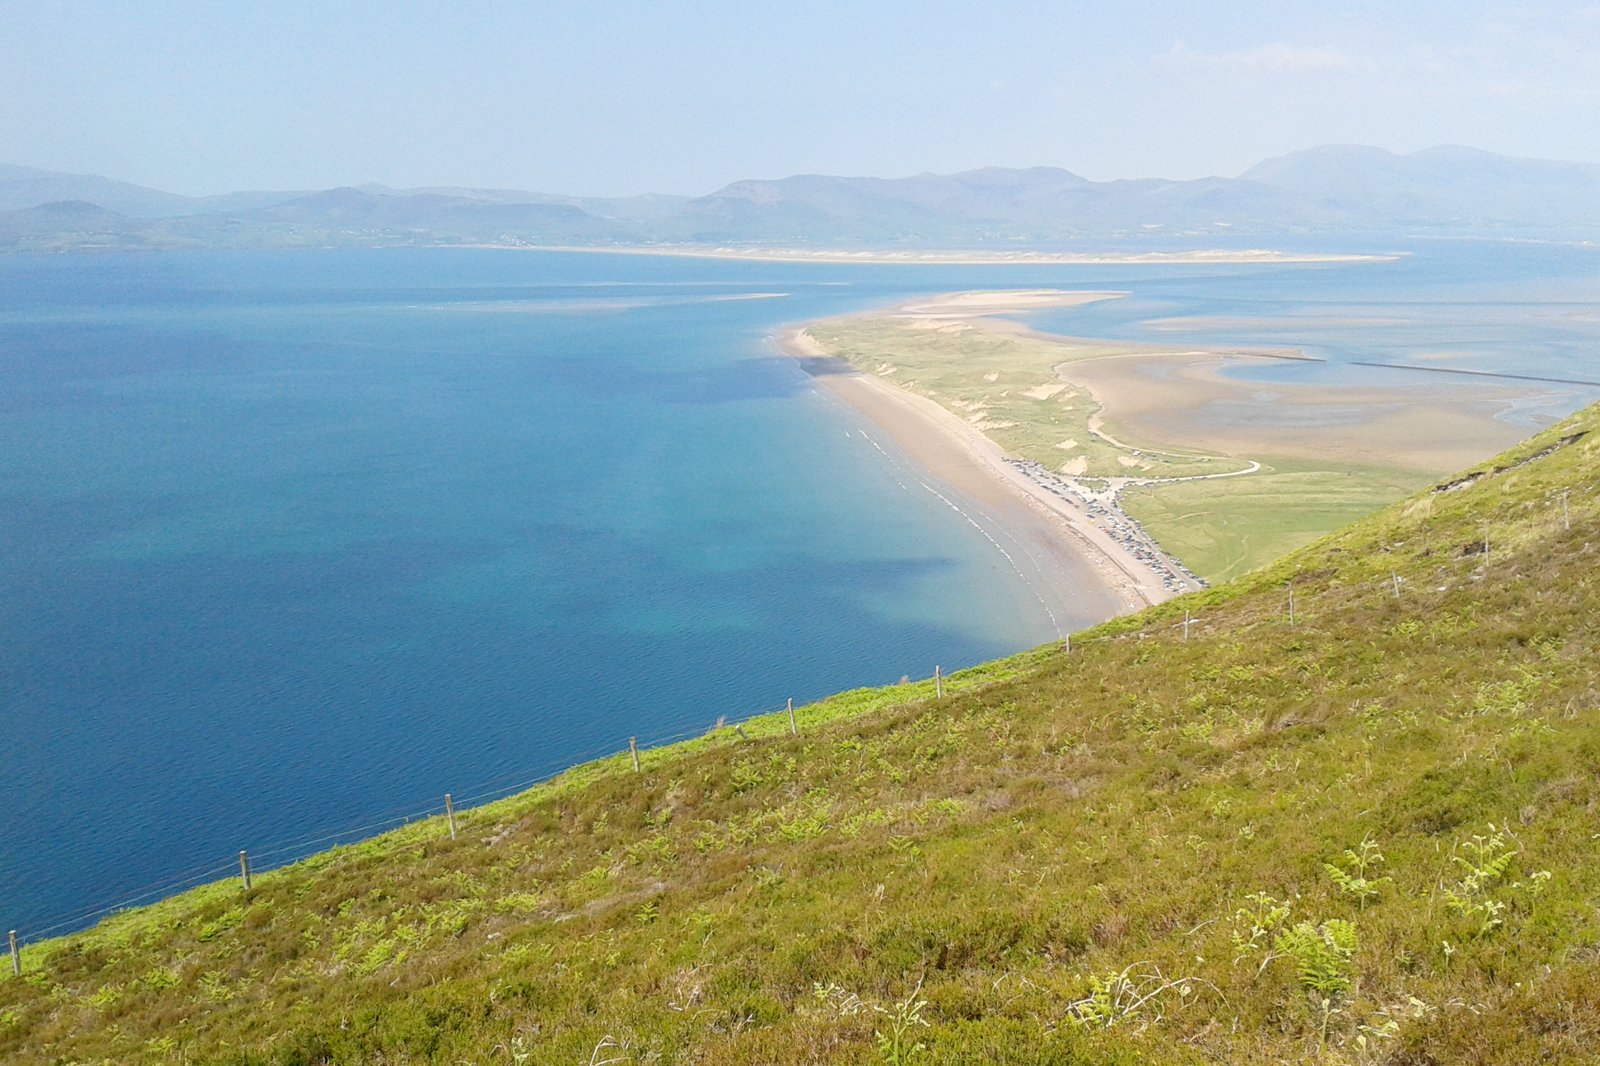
x=25 y=187
x=1447 y=185
x=1329 y=189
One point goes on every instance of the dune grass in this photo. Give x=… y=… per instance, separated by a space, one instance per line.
x=1365 y=837
x=1005 y=385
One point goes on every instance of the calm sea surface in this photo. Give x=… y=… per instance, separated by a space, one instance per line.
x=293 y=543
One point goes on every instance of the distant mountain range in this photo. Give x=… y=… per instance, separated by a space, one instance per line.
x=1332 y=189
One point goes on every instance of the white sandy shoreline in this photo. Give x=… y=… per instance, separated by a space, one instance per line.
x=975 y=467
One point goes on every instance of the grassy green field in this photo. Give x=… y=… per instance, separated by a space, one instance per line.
x=1227 y=527
x=1367 y=837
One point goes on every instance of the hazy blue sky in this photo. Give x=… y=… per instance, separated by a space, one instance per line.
x=606 y=98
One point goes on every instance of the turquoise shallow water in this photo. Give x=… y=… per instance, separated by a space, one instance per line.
x=294 y=542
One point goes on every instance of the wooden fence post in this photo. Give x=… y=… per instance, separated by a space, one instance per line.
x=244 y=868
x=16 y=959
x=1395 y=574
x=938 y=685
x=1066 y=649
x=1566 y=515
x=633 y=749
x=450 y=815
x=1291 y=605
x=793 y=730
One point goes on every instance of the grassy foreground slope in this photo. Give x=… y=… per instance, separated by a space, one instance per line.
x=1368 y=836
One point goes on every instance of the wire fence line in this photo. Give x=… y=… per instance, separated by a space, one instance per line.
x=144 y=896
x=281 y=853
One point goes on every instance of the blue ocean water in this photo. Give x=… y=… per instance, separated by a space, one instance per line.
x=292 y=543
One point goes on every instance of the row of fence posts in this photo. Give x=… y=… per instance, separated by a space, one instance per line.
x=244 y=856
x=794 y=730
x=246 y=878
x=938 y=693
x=1394 y=577
x=449 y=804
x=633 y=753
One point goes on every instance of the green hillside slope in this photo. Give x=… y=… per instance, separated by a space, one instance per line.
x=1369 y=835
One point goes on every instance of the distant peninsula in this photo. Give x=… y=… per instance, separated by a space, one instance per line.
x=1150 y=461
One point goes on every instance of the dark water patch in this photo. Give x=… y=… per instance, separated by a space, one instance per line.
x=189 y=708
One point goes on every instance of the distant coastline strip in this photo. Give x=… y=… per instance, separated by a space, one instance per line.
x=967 y=257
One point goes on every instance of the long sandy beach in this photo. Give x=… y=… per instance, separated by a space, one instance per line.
x=1062 y=542
x=1062 y=524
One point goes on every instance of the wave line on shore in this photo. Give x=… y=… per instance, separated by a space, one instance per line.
x=1055 y=623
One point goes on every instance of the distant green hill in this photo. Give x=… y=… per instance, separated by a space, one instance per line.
x=1366 y=836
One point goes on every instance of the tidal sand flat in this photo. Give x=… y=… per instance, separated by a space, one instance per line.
x=1192 y=399
x=1327 y=453
x=1159 y=461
